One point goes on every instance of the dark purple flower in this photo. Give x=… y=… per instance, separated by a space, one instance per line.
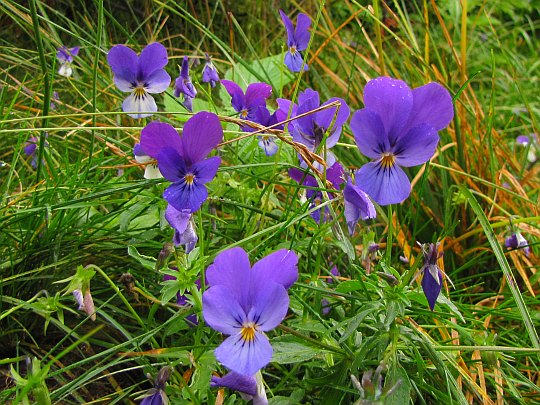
x=357 y=206
x=151 y=170
x=334 y=174
x=245 y=302
x=156 y=395
x=184 y=86
x=397 y=127
x=517 y=241
x=432 y=279
x=297 y=40
x=247 y=104
x=182 y=159
x=139 y=75
x=184 y=229
x=313 y=128
x=210 y=73
x=65 y=57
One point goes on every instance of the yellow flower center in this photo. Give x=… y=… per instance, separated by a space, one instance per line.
x=248 y=332
x=292 y=49
x=189 y=178
x=387 y=160
x=243 y=113
x=139 y=91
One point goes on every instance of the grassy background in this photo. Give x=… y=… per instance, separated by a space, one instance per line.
x=87 y=204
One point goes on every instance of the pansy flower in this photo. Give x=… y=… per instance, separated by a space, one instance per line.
x=357 y=205
x=245 y=302
x=247 y=386
x=398 y=127
x=297 y=40
x=312 y=129
x=517 y=241
x=151 y=170
x=529 y=142
x=140 y=75
x=184 y=227
x=432 y=274
x=182 y=159
x=210 y=73
x=184 y=86
x=157 y=395
x=267 y=142
x=30 y=149
x=247 y=104
x=334 y=175
x=65 y=58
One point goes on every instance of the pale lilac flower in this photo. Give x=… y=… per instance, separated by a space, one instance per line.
x=517 y=241
x=531 y=143
x=267 y=142
x=184 y=227
x=247 y=104
x=151 y=170
x=65 y=57
x=55 y=98
x=397 y=127
x=184 y=86
x=210 y=73
x=297 y=40
x=334 y=174
x=432 y=279
x=357 y=205
x=182 y=159
x=245 y=302
x=140 y=76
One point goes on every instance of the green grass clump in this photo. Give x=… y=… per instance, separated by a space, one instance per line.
x=86 y=209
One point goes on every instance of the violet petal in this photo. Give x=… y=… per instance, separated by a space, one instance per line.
x=385 y=186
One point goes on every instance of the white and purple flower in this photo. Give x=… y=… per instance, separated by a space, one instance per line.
x=140 y=75
x=517 y=241
x=65 y=57
x=184 y=227
x=357 y=206
x=398 y=127
x=182 y=159
x=297 y=40
x=245 y=302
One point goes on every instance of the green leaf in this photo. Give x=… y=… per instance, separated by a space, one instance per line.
x=147 y=261
x=289 y=351
x=271 y=68
x=397 y=380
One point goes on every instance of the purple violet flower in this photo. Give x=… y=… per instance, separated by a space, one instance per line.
x=157 y=395
x=31 y=147
x=297 y=40
x=267 y=142
x=247 y=104
x=140 y=76
x=432 y=279
x=524 y=140
x=182 y=159
x=313 y=128
x=357 y=206
x=247 y=386
x=245 y=302
x=517 y=241
x=210 y=73
x=65 y=57
x=184 y=86
x=397 y=127
x=184 y=229
x=334 y=174
x=151 y=170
